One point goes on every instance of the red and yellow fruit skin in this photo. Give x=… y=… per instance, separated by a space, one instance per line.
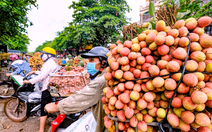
x=155 y=53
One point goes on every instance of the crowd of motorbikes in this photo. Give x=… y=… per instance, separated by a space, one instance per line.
x=25 y=100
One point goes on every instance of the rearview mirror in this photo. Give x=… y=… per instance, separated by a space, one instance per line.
x=53 y=88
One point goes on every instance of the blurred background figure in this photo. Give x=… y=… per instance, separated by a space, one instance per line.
x=29 y=55
x=20 y=69
x=24 y=56
x=63 y=61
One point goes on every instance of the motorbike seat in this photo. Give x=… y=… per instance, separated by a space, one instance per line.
x=24 y=95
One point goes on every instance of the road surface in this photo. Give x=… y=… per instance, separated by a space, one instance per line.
x=31 y=124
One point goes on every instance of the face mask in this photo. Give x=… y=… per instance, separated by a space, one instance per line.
x=43 y=57
x=24 y=58
x=91 y=68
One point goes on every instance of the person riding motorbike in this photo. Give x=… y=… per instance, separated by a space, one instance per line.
x=24 y=57
x=48 y=67
x=20 y=69
x=91 y=94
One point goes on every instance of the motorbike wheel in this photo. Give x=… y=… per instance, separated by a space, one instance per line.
x=6 y=91
x=15 y=115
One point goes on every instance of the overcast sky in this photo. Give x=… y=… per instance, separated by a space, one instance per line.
x=53 y=15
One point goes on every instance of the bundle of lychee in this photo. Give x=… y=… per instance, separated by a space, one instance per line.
x=144 y=73
x=70 y=81
x=35 y=62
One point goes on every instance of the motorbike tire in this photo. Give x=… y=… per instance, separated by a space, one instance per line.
x=16 y=116
x=6 y=91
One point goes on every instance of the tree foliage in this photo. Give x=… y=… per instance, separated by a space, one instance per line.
x=65 y=38
x=14 y=22
x=45 y=44
x=18 y=42
x=96 y=22
x=99 y=21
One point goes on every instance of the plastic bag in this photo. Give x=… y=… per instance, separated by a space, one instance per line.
x=34 y=97
x=38 y=86
x=86 y=123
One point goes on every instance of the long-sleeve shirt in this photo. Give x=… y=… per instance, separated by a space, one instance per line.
x=89 y=96
x=48 y=67
x=20 y=67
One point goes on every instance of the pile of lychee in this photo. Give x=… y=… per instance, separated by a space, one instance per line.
x=144 y=72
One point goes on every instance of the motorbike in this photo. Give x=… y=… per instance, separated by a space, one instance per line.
x=62 y=121
x=24 y=102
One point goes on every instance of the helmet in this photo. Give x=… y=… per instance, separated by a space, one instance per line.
x=13 y=56
x=48 y=50
x=98 y=51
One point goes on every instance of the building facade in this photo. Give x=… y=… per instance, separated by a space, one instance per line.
x=144 y=10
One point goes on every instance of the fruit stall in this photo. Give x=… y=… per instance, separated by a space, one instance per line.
x=35 y=62
x=77 y=61
x=161 y=79
x=4 y=56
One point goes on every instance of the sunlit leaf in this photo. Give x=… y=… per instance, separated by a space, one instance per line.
x=151 y=9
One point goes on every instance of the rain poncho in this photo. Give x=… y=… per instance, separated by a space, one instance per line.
x=20 y=67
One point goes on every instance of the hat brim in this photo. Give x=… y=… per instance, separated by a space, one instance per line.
x=87 y=55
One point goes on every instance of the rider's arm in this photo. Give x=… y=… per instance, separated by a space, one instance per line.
x=83 y=99
x=45 y=70
x=37 y=72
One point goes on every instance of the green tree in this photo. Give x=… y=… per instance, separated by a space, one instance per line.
x=14 y=21
x=65 y=38
x=45 y=44
x=18 y=42
x=98 y=21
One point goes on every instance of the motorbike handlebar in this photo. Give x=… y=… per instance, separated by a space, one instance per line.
x=30 y=76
